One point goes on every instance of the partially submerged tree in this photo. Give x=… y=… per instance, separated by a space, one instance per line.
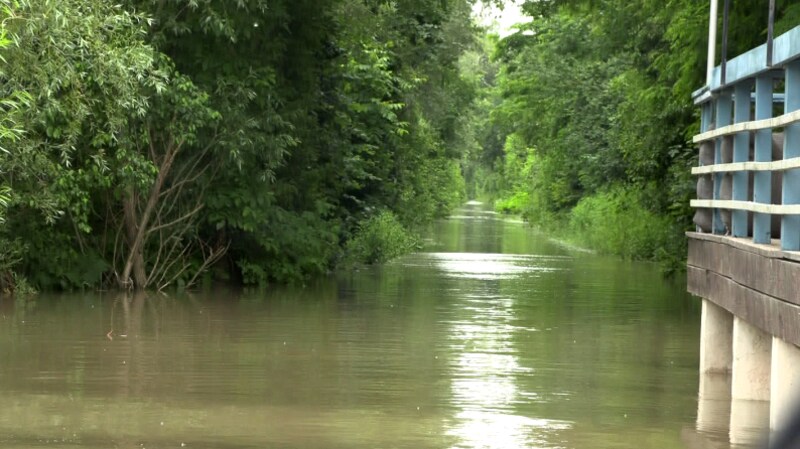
x=162 y=136
x=104 y=132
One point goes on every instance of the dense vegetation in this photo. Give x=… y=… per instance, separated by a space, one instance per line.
x=149 y=142
x=591 y=130
x=159 y=142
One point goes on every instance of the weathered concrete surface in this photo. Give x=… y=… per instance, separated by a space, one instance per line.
x=714 y=403
x=785 y=382
x=749 y=423
x=716 y=340
x=758 y=283
x=752 y=349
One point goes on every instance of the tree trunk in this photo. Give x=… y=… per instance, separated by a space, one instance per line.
x=137 y=226
x=136 y=257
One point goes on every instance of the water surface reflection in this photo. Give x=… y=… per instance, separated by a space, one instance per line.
x=495 y=337
x=484 y=385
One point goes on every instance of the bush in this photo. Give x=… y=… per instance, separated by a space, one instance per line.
x=616 y=222
x=289 y=247
x=378 y=239
x=515 y=204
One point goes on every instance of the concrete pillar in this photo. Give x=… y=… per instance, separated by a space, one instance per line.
x=750 y=379
x=785 y=382
x=714 y=403
x=716 y=348
x=749 y=423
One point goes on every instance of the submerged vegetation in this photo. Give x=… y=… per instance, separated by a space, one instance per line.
x=150 y=144
x=378 y=239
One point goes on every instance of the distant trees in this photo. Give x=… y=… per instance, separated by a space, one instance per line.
x=594 y=100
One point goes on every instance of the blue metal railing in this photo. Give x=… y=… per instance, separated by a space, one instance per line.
x=749 y=160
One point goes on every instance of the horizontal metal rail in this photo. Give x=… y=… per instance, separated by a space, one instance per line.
x=754 y=62
x=757 y=125
x=750 y=173
x=781 y=165
x=773 y=209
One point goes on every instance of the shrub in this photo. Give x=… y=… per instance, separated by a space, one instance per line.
x=616 y=222
x=515 y=204
x=378 y=239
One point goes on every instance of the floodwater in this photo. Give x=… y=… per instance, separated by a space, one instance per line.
x=493 y=337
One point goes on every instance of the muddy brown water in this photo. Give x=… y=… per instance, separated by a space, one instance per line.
x=493 y=337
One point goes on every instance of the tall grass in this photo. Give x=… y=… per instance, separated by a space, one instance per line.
x=616 y=222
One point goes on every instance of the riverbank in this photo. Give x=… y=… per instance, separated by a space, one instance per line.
x=154 y=155
x=612 y=222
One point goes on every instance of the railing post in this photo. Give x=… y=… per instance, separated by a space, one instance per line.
x=723 y=119
x=762 y=180
x=706 y=115
x=790 y=224
x=705 y=186
x=741 y=153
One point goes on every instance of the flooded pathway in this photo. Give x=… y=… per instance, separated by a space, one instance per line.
x=493 y=337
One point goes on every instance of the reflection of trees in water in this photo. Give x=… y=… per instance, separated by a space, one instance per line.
x=6 y=306
x=126 y=318
x=124 y=301
x=347 y=363
x=128 y=313
x=482 y=235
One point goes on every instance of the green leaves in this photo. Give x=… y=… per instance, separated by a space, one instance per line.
x=600 y=91
x=87 y=71
x=378 y=239
x=147 y=138
x=5 y=197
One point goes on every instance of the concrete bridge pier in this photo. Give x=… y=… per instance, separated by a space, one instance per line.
x=714 y=402
x=749 y=378
x=750 y=384
x=747 y=272
x=785 y=382
x=716 y=359
x=749 y=424
x=716 y=340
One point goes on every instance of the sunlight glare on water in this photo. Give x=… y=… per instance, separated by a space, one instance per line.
x=490 y=266
x=484 y=386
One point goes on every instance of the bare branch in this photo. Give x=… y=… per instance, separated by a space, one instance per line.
x=213 y=256
x=183 y=217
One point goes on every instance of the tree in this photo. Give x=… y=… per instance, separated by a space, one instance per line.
x=162 y=138
x=107 y=122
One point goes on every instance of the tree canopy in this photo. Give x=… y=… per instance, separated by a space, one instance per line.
x=158 y=143
x=149 y=142
x=593 y=118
